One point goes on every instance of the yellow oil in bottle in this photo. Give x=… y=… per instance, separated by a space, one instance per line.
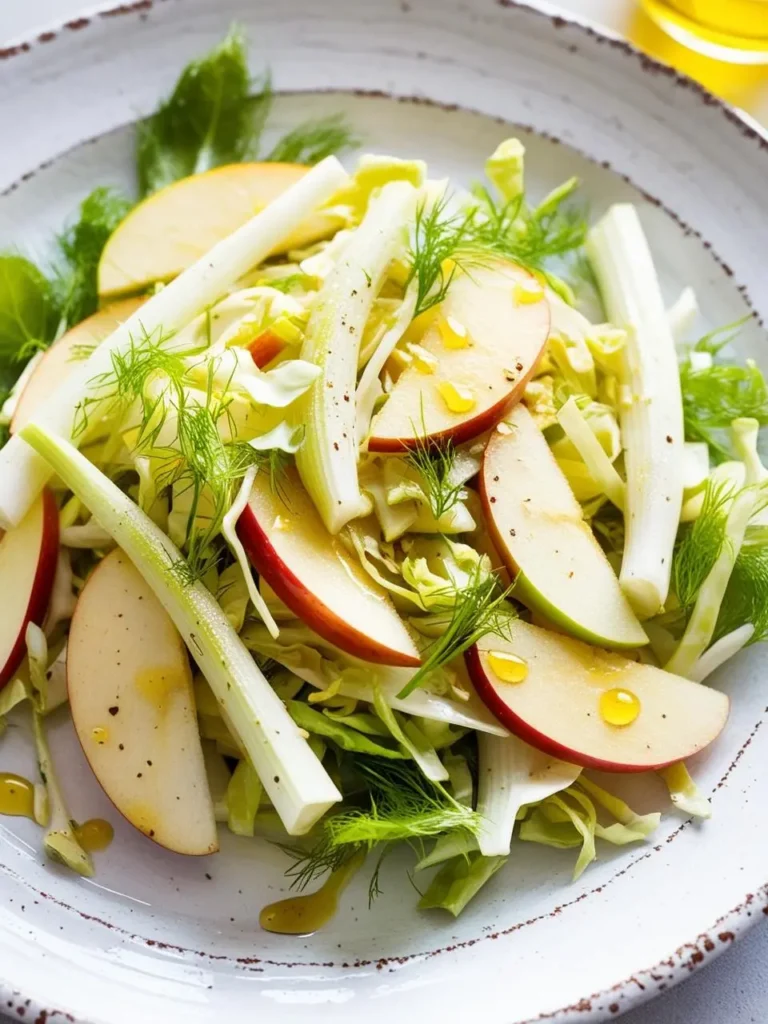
x=508 y=667
x=17 y=796
x=734 y=30
x=721 y=43
x=619 y=707
x=94 y=835
x=301 y=915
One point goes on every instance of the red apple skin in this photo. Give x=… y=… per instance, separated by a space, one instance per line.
x=306 y=605
x=467 y=430
x=524 y=731
x=42 y=586
x=265 y=348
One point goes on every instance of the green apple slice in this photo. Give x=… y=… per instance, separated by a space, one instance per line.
x=559 y=705
x=538 y=529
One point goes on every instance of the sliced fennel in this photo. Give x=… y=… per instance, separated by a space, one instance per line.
x=652 y=414
x=369 y=390
x=243 y=796
x=600 y=467
x=684 y=792
x=327 y=461
x=720 y=652
x=229 y=532
x=22 y=472
x=60 y=842
x=703 y=620
x=297 y=784
x=511 y=775
x=409 y=736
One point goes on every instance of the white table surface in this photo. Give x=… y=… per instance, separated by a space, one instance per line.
x=732 y=990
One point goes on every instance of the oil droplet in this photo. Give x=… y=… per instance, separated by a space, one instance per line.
x=301 y=915
x=527 y=294
x=17 y=796
x=508 y=667
x=100 y=735
x=619 y=707
x=420 y=325
x=398 y=361
x=94 y=834
x=453 y=332
x=157 y=685
x=281 y=524
x=423 y=360
x=457 y=398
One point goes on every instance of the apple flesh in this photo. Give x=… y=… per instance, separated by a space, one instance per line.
x=61 y=358
x=28 y=556
x=317 y=578
x=485 y=339
x=557 y=706
x=133 y=707
x=171 y=229
x=538 y=528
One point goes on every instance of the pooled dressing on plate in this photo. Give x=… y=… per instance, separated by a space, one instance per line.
x=302 y=915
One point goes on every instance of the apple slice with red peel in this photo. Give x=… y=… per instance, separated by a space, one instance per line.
x=559 y=705
x=61 y=358
x=317 y=578
x=485 y=341
x=538 y=528
x=28 y=556
x=133 y=706
x=172 y=228
x=266 y=347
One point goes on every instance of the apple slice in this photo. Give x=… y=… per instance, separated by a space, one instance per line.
x=559 y=705
x=28 y=556
x=537 y=526
x=171 y=229
x=133 y=706
x=317 y=578
x=486 y=339
x=266 y=347
x=61 y=358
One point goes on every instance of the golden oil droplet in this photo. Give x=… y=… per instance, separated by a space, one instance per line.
x=100 y=735
x=619 y=707
x=457 y=398
x=159 y=685
x=94 y=834
x=17 y=796
x=508 y=667
x=453 y=332
x=527 y=294
x=423 y=360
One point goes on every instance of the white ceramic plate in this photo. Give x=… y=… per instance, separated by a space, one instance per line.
x=155 y=937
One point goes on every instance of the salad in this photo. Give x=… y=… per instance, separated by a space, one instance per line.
x=356 y=509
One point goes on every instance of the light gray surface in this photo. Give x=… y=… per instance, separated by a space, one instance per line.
x=733 y=990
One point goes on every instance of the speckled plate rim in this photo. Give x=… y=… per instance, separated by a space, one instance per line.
x=644 y=984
